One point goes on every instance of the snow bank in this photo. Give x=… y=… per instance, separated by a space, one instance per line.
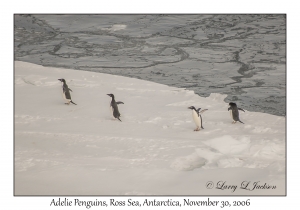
x=80 y=150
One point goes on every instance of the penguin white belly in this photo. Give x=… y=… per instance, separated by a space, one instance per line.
x=196 y=119
x=112 y=112
x=63 y=94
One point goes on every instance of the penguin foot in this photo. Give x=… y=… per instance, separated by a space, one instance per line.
x=197 y=129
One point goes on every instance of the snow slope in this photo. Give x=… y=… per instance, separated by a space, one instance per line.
x=80 y=150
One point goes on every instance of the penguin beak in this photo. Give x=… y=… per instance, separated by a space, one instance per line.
x=108 y=95
x=59 y=79
x=190 y=107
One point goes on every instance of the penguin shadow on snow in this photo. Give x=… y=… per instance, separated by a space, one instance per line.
x=234 y=112
x=114 y=107
x=197 y=117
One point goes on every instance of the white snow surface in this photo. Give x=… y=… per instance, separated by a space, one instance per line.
x=81 y=150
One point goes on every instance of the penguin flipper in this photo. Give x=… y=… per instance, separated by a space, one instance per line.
x=241 y=122
x=119 y=102
x=70 y=90
x=119 y=119
x=241 y=109
x=203 y=111
x=73 y=102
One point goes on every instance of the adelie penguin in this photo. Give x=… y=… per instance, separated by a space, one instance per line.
x=197 y=117
x=114 y=107
x=66 y=92
x=234 y=112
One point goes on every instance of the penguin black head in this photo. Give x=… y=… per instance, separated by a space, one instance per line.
x=62 y=80
x=111 y=95
x=192 y=107
x=232 y=104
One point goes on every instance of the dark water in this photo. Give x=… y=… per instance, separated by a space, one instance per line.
x=243 y=56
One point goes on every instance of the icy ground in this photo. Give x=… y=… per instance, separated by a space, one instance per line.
x=81 y=150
